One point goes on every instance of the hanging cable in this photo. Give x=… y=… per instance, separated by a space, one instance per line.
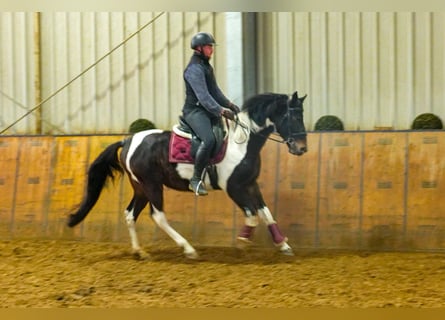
x=82 y=73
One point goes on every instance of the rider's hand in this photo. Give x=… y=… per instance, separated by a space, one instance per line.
x=234 y=108
x=228 y=114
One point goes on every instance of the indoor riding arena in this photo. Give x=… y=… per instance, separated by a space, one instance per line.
x=363 y=209
x=372 y=238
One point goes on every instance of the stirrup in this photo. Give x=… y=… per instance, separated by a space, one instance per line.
x=198 y=188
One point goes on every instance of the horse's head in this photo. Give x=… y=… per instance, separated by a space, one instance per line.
x=272 y=111
x=290 y=125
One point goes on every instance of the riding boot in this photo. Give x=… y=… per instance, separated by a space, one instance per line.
x=201 y=160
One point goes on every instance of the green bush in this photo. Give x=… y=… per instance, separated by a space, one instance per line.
x=426 y=121
x=329 y=123
x=141 y=125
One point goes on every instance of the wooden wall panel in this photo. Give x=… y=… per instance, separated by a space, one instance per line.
x=8 y=164
x=101 y=222
x=384 y=188
x=426 y=189
x=298 y=193
x=32 y=187
x=339 y=197
x=214 y=219
x=67 y=182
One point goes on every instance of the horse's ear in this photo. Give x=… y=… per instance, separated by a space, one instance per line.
x=295 y=97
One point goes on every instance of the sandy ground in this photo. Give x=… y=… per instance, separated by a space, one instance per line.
x=84 y=274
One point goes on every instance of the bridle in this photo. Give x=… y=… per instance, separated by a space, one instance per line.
x=293 y=115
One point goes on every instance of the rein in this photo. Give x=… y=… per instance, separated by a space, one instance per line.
x=274 y=139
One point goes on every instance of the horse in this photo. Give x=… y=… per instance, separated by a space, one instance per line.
x=144 y=157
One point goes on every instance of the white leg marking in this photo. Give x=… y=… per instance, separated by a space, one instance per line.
x=251 y=221
x=266 y=216
x=161 y=221
x=132 y=230
x=136 y=140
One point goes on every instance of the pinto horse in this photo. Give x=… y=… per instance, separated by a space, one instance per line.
x=145 y=159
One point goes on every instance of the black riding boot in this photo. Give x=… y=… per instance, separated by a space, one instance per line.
x=201 y=160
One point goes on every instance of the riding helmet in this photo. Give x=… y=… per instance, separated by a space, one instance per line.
x=202 y=39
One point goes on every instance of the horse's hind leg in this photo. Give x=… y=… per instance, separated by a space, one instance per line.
x=156 y=197
x=160 y=219
x=137 y=204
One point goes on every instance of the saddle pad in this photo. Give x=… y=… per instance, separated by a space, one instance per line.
x=179 y=150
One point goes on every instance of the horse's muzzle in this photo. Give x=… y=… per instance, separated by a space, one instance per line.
x=297 y=148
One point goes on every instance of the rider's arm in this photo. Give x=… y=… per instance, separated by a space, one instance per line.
x=221 y=98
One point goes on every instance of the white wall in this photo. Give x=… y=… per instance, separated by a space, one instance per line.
x=234 y=57
x=370 y=69
x=17 y=92
x=141 y=79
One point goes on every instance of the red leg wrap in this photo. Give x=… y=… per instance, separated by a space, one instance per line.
x=277 y=237
x=246 y=232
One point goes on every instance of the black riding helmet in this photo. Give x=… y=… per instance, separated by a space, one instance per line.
x=202 y=39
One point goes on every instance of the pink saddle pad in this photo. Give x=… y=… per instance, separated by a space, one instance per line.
x=179 y=150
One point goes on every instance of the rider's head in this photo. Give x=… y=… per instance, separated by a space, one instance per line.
x=203 y=43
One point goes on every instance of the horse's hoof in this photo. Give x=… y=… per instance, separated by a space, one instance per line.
x=287 y=252
x=191 y=255
x=141 y=255
x=244 y=242
x=282 y=244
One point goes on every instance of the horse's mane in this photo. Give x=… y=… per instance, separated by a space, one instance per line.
x=260 y=106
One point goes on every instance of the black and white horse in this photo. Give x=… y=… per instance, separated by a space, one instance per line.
x=145 y=159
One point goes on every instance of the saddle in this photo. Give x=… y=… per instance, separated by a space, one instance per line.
x=184 y=143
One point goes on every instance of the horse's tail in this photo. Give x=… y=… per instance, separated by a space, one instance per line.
x=100 y=170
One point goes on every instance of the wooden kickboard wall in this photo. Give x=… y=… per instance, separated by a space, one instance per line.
x=351 y=190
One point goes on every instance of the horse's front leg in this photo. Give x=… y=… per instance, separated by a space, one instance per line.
x=247 y=231
x=278 y=238
x=251 y=200
x=243 y=199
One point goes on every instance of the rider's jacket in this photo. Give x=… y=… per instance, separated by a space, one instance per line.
x=201 y=88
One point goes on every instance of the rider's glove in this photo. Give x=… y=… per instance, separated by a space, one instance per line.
x=234 y=107
x=228 y=114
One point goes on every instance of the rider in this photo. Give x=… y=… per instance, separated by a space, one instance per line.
x=204 y=104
